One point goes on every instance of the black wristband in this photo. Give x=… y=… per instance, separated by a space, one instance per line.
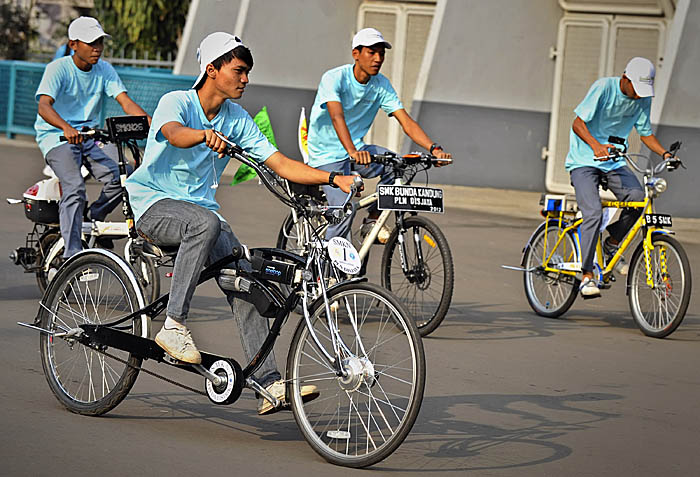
x=663 y=154
x=434 y=146
x=331 y=177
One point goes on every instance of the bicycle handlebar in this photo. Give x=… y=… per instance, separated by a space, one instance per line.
x=670 y=164
x=395 y=160
x=93 y=133
x=333 y=214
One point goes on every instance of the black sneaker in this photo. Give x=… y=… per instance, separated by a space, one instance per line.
x=609 y=250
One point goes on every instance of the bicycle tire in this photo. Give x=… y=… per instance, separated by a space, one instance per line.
x=437 y=268
x=90 y=288
x=46 y=241
x=549 y=294
x=659 y=311
x=389 y=383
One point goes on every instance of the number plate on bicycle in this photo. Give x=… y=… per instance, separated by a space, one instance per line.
x=658 y=220
x=411 y=198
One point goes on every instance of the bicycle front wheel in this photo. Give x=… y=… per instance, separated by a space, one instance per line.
x=426 y=281
x=550 y=293
x=659 y=307
x=90 y=289
x=362 y=415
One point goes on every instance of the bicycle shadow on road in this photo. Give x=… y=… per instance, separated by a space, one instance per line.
x=478 y=321
x=508 y=430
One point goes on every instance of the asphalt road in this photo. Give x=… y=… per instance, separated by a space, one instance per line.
x=508 y=393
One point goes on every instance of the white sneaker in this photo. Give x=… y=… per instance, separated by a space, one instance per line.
x=589 y=288
x=382 y=236
x=178 y=343
x=278 y=390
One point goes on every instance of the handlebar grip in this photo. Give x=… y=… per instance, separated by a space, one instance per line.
x=357 y=184
x=62 y=138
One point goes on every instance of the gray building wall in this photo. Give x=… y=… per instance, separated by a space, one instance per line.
x=489 y=93
x=680 y=119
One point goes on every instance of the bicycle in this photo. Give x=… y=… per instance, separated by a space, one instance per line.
x=659 y=278
x=417 y=262
x=355 y=341
x=43 y=250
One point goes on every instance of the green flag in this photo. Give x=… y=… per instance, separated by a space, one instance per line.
x=244 y=172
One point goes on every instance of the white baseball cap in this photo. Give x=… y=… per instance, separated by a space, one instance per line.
x=369 y=37
x=85 y=29
x=212 y=47
x=641 y=73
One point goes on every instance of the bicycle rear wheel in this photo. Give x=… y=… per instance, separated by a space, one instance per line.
x=427 y=285
x=659 y=309
x=549 y=293
x=362 y=417
x=92 y=288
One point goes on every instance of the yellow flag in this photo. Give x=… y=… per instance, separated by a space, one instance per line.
x=303 y=135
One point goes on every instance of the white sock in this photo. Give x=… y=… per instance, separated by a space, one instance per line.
x=171 y=323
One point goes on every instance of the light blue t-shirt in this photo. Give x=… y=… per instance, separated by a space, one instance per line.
x=607 y=111
x=170 y=172
x=77 y=95
x=360 y=105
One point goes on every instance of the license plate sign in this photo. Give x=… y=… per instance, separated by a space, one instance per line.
x=410 y=198
x=658 y=220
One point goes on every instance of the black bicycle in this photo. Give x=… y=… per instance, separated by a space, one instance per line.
x=355 y=342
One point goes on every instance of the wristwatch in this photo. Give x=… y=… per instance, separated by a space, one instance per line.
x=331 y=178
x=434 y=146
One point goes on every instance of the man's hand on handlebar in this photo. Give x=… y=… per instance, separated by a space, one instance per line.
x=361 y=157
x=72 y=135
x=214 y=142
x=346 y=182
x=603 y=152
x=440 y=154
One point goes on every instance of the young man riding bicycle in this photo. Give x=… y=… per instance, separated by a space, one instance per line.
x=346 y=104
x=611 y=108
x=70 y=97
x=173 y=193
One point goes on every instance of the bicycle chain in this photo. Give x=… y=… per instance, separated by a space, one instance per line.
x=139 y=368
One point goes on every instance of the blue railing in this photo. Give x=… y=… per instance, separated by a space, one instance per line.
x=20 y=79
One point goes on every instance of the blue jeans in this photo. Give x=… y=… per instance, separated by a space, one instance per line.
x=203 y=239
x=101 y=161
x=621 y=182
x=336 y=196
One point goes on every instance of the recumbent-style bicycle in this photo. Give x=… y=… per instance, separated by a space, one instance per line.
x=355 y=341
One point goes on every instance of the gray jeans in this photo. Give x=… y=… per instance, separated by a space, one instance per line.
x=203 y=239
x=621 y=182
x=336 y=196
x=101 y=160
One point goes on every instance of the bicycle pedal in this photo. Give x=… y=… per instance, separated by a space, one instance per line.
x=174 y=361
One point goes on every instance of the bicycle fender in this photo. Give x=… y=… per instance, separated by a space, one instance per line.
x=145 y=320
x=53 y=252
x=352 y=280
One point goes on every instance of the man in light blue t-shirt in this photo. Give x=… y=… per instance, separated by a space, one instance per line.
x=70 y=97
x=172 y=194
x=612 y=107
x=346 y=104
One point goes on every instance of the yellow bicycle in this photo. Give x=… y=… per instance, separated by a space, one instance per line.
x=659 y=277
